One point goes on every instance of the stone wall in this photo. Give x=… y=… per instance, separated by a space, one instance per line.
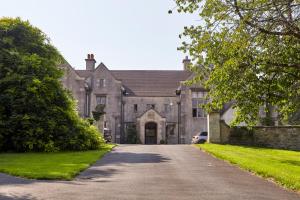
x=282 y=137
x=214 y=135
x=285 y=137
x=225 y=132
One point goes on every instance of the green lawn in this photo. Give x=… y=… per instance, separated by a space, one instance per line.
x=281 y=165
x=61 y=165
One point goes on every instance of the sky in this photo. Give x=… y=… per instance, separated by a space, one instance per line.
x=123 y=34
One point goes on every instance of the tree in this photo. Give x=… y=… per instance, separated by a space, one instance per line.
x=246 y=51
x=36 y=113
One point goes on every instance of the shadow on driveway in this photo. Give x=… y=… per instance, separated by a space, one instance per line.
x=105 y=167
x=12 y=180
x=100 y=169
x=116 y=158
x=17 y=197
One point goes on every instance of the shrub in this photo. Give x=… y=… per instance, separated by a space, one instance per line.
x=90 y=121
x=162 y=141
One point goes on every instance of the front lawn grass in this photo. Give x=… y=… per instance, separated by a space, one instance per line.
x=283 y=166
x=60 y=165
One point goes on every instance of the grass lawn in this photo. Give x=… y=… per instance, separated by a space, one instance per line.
x=61 y=165
x=283 y=166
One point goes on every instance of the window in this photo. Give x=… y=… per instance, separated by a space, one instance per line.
x=101 y=83
x=204 y=133
x=101 y=100
x=170 y=129
x=198 y=100
x=87 y=105
x=135 y=108
x=150 y=106
x=198 y=95
x=166 y=108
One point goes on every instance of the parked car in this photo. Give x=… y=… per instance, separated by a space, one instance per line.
x=200 y=138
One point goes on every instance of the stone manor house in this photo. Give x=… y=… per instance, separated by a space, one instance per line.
x=155 y=103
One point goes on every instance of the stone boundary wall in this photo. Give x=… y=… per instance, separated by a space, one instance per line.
x=282 y=137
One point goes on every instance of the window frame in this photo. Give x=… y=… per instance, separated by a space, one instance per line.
x=166 y=107
x=103 y=97
x=198 y=99
x=135 y=108
x=101 y=83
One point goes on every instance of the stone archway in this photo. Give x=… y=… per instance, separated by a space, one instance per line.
x=145 y=120
x=150 y=133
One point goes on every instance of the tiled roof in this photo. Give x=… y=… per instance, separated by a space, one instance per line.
x=84 y=73
x=151 y=82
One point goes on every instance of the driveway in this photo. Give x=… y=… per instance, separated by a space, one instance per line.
x=151 y=172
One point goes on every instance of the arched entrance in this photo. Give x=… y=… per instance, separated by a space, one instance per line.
x=151 y=133
x=152 y=124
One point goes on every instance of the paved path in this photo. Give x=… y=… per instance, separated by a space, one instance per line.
x=151 y=172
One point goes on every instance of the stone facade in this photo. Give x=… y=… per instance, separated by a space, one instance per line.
x=76 y=84
x=139 y=98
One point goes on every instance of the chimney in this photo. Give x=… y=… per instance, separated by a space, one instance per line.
x=90 y=62
x=186 y=62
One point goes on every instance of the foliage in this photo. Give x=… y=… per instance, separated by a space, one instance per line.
x=90 y=121
x=36 y=113
x=267 y=121
x=246 y=51
x=280 y=165
x=59 y=165
x=239 y=131
x=294 y=118
x=99 y=111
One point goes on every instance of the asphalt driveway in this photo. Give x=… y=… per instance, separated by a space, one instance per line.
x=151 y=172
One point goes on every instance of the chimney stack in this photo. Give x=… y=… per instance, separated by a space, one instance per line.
x=90 y=62
x=186 y=62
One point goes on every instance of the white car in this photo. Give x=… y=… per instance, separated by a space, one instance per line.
x=200 y=138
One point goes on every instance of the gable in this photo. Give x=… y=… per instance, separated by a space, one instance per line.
x=151 y=115
x=69 y=70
